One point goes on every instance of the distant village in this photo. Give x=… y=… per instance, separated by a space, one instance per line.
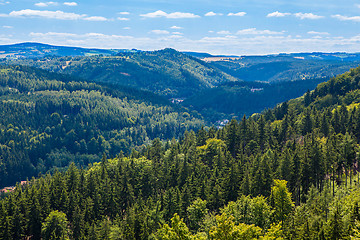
x=177 y=100
x=221 y=123
x=12 y=188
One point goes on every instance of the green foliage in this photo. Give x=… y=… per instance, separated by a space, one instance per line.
x=226 y=229
x=55 y=226
x=281 y=200
x=196 y=214
x=177 y=231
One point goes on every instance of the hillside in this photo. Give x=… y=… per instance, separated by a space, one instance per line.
x=48 y=120
x=165 y=72
x=285 y=67
x=234 y=99
x=288 y=173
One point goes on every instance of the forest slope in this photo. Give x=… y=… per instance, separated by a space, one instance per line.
x=216 y=182
x=48 y=120
x=165 y=72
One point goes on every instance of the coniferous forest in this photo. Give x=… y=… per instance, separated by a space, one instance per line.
x=48 y=120
x=291 y=172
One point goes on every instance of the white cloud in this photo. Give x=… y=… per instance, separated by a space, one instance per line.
x=47 y=14
x=123 y=13
x=2 y=2
x=46 y=4
x=52 y=34
x=318 y=33
x=60 y=15
x=307 y=16
x=223 y=32
x=211 y=31
x=160 y=13
x=123 y=19
x=159 y=32
x=254 y=31
x=211 y=14
x=126 y=28
x=96 y=19
x=176 y=27
x=278 y=14
x=177 y=33
x=70 y=4
x=346 y=18
x=8 y=27
x=239 y=14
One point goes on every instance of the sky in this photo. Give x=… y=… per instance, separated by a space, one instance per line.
x=231 y=27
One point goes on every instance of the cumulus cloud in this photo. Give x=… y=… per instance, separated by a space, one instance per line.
x=159 y=32
x=318 y=33
x=239 y=14
x=70 y=4
x=8 y=27
x=47 y=14
x=52 y=34
x=76 y=36
x=307 y=16
x=278 y=14
x=123 y=13
x=223 y=32
x=176 y=27
x=177 y=33
x=254 y=31
x=60 y=15
x=346 y=18
x=123 y=19
x=46 y=4
x=160 y=13
x=96 y=18
x=126 y=28
x=2 y=2
x=212 y=14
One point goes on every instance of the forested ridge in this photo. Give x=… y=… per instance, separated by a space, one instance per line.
x=208 y=87
x=166 y=72
x=48 y=120
x=288 y=173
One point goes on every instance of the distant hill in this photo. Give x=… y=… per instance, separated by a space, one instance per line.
x=286 y=67
x=166 y=72
x=36 y=50
x=216 y=86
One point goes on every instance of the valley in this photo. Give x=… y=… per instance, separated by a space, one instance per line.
x=262 y=147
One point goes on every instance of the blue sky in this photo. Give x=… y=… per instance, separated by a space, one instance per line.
x=236 y=27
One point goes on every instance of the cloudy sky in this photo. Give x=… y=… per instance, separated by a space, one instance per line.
x=236 y=27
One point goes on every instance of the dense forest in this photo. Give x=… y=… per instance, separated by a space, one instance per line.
x=208 y=87
x=288 y=173
x=166 y=72
x=48 y=120
x=250 y=97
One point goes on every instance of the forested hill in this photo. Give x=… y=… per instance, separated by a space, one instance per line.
x=166 y=72
x=48 y=120
x=216 y=183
